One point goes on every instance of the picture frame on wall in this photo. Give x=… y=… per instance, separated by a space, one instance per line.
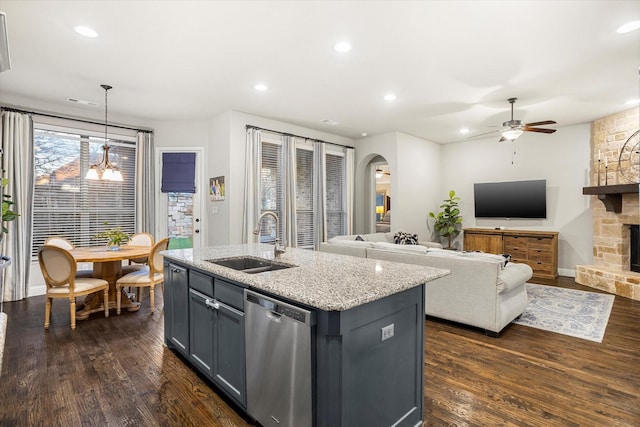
x=216 y=189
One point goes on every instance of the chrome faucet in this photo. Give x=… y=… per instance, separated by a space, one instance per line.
x=277 y=250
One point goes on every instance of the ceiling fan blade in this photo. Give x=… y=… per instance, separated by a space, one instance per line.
x=540 y=130
x=546 y=122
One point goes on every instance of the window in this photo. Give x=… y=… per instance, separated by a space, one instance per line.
x=272 y=191
x=68 y=205
x=304 y=197
x=271 y=176
x=336 y=195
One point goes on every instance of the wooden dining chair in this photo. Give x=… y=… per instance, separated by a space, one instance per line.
x=66 y=244
x=141 y=239
x=59 y=272
x=147 y=276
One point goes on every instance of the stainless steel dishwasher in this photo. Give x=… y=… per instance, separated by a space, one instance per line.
x=278 y=346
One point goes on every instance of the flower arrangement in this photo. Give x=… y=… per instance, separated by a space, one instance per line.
x=115 y=237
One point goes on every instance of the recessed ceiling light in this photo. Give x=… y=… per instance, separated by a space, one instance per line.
x=260 y=87
x=628 y=27
x=633 y=102
x=390 y=97
x=342 y=47
x=85 y=31
x=330 y=122
x=464 y=130
x=364 y=134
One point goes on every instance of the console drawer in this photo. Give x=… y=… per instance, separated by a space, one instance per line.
x=540 y=255
x=516 y=252
x=515 y=241
x=540 y=243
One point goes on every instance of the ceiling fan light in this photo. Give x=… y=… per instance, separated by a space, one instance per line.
x=512 y=134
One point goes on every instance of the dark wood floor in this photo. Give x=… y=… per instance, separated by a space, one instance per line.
x=117 y=372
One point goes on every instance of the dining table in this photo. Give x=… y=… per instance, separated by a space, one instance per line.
x=107 y=265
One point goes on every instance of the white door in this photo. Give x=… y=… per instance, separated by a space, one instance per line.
x=180 y=215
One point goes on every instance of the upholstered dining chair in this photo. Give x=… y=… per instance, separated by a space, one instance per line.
x=149 y=275
x=66 y=244
x=141 y=239
x=59 y=271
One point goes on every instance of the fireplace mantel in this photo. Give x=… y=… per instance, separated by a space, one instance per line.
x=611 y=195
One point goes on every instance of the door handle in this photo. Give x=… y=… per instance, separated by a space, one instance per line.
x=212 y=304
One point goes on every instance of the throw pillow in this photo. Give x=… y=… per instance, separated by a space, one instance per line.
x=359 y=238
x=402 y=238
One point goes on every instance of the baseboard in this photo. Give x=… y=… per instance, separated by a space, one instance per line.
x=567 y=272
x=37 y=290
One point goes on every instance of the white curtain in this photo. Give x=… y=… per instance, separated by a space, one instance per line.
x=350 y=184
x=252 y=185
x=319 y=190
x=17 y=164
x=145 y=184
x=289 y=218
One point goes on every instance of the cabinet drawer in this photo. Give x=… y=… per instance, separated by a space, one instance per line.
x=517 y=241
x=539 y=255
x=201 y=282
x=540 y=267
x=516 y=252
x=540 y=243
x=229 y=294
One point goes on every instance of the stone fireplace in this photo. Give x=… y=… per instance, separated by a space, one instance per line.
x=611 y=270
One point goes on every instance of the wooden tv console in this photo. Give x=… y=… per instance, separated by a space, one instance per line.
x=539 y=249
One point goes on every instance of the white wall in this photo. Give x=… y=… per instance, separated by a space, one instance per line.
x=414 y=165
x=561 y=158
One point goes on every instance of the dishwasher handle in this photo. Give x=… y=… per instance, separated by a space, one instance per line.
x=279 y=310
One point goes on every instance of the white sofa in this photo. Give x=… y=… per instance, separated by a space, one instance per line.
x=481 y=290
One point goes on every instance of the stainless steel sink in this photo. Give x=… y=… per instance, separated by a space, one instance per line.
x=249 y=264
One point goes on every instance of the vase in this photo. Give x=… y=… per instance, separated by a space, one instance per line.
x=113 y=246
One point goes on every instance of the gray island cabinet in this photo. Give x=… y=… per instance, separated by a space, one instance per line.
x=361 y=363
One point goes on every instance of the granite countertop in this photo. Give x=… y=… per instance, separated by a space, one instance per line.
x=326 y=281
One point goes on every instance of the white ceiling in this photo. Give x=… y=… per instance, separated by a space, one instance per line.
x=451 y=64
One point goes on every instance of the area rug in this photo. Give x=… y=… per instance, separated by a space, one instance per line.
x=571 y=312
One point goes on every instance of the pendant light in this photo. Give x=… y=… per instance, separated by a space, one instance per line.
x=109 y=171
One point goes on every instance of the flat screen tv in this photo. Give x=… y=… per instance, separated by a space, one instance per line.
x=513 y=199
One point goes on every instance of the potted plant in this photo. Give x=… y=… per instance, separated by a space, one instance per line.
x=447 y=221
x=7 y=213
x=115 y=237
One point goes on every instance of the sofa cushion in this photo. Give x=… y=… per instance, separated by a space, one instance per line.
x=402 y=238
x=401 y=248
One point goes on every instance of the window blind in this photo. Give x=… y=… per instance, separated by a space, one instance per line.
x=304 y=197
x=335 y=195
x=178 y=172
x=271 y=187
x=68 y=205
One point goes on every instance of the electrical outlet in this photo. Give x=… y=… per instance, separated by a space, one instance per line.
x=387 y=332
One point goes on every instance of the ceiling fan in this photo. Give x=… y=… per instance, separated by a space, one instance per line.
x=380 y=172
x=512 y=129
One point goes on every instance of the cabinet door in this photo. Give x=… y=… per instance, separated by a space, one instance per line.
x=201 y=316
x=229 y=359
x=489 y=243
x=177 y=290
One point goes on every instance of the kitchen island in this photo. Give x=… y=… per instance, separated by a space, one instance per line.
x=357 y=358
